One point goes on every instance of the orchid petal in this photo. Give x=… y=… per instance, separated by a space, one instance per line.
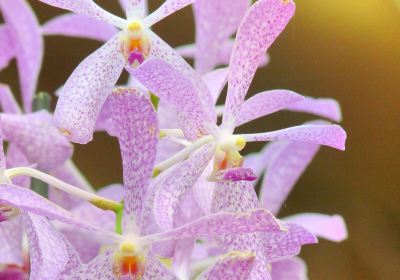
x=74 y=25
x=234 y=265
x=6 y=46
x=7 y=100
x=329 y=135
x=136 y=8
x=216 y=81
x=2 y=157
x=176 y=183
x=287 y=244
x=236 y=174
x=136 y=127
x=16 y=158
x=156 y=270
x=36 y=136
x=48 y=253
x=324 y=107
x=177 y=90
x=222 y=223
x=28 y=43
x=167 y=8
x=266 y=103
x=293 y=269
x=29 y=201
x=329 y=227
x=215 y=22
x=87 y=8
x=86 y=90
x=11 y=241
x=285 y=167
x=262 y=24
x=13 y=273
x=187 y=51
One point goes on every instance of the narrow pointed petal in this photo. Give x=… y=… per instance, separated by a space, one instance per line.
x=36 y=136
x=136 y=8
x=74 y=25
x=332 y=228
x=262 y=24
x=215 y=22
x=329 y=135
x=11 y=241
x=293 y=269
x=8 y=103
x=29 y=201
x=176 y=183
x=6 y=46
x=177 y=90
x=156 y=270
x=234 y=265
x=28 y=44
x=266 y=103
x=136 y=127
x=86 y=90
x=223 y=223
x=48 y=253
x=87 y=8
x=167 y=8
x=216 y=81
x=283 y=170
x=287 y=244
x=325 y=107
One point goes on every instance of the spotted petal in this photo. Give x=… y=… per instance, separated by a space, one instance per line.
x=329 y=135
x=215 y=22
x=74 y=25
x=28 y=43
x=135 y=8
x=234 y=265
x=36 y=136
x=48 y=253
x=86 y=90
x=262 y=24
x=7 y=100
x=293 y=269
x=284 y=169
x=329 y=227
x=167 y=8
x=11 y=241
x=87 y=8
x=266 y=103
x=136 y=127
x=216 y=81
x=324 y=107
x=6 y=46
x=156 y=270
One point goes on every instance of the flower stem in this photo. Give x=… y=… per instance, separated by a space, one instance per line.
x=98 y=201
x=119 y=211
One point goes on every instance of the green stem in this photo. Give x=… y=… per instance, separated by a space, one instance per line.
x=118 y=219
x=41 y=101
x=40 y=187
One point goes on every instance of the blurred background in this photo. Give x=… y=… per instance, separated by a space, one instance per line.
x=347 y=50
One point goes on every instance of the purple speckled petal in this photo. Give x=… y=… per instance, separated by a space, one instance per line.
x=283 y=245
x=29 y=201
x=266 y=103
x=325 y=107
x=329 y=227
x=98 y=268
x=167 y=8
x=135 y=8
x=7 y=100
x=174 y=88
x=236 y=174
x=37 y=137
x=136 y=127
x=11 y=241
x=16 y=158
x=293 y=269
x=28 y=43
x=222 y=223
x=329 y=135
x=6 y=46
x=156 y=270
x=215 y=22
x=74 y=25
x=86 y=90
x=284 y=168
x=48 y=252
x=68 y=173
x=235 y=265
x=216 y=81
x=176 y=183
x=88 y=8
x=262 y=24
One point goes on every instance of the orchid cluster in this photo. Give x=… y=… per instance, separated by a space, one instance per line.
x=188 y=206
